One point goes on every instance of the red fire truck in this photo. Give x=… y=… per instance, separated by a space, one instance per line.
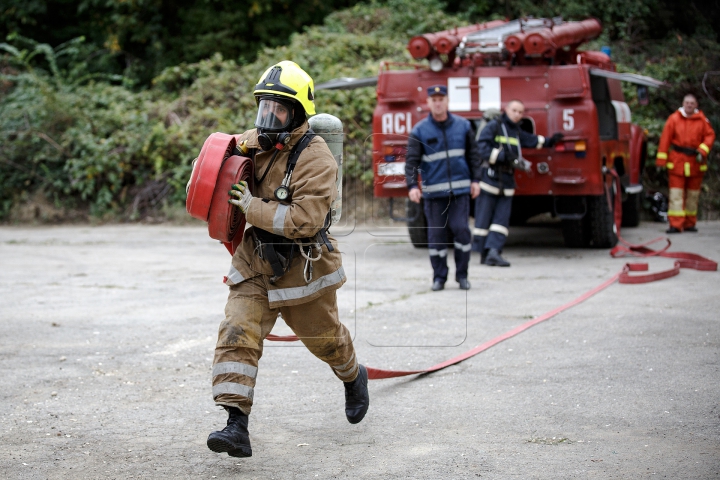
x=564 y=90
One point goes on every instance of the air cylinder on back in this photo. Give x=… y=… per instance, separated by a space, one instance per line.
x=330 y=128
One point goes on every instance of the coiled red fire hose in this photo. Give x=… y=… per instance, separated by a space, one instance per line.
x=215 y=171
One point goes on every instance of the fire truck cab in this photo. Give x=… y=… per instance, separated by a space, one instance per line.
x=566 y=90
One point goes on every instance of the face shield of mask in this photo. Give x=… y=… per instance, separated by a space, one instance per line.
x=273 y=115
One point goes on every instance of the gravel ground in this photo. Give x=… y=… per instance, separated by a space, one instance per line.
x=107 y=335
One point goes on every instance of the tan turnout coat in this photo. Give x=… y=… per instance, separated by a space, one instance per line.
x=312 y=190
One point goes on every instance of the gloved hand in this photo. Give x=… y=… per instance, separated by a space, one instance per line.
x=556 y=137
x=522 y=164
x=243 y=197
x=700 y=157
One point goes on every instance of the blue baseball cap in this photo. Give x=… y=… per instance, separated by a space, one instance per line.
x=437 y=90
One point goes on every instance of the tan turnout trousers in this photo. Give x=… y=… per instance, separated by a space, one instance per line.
x=249 y=319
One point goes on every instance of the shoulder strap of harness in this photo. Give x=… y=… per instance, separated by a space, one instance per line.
x=297 y=150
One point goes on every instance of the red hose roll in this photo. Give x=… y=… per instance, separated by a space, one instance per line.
x=216 y=149
x=213 y=176
x=226 y=222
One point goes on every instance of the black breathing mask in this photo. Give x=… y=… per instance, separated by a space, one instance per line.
x=274 y=120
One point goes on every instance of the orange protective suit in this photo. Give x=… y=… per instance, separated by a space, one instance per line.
x=684 y=147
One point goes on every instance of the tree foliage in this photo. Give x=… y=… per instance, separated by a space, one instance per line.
x=85 y=138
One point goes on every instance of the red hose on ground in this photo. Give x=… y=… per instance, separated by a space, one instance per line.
x=685 y=260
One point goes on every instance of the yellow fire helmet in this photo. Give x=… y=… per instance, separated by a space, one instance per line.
x=287 y=79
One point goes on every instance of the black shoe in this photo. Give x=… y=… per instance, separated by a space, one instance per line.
x=233 y=439
x=495 y=260
x=691 y=229
x=483 y=258
x=464 y=284
x=357 y=398
x=672 y=230
x=437 y=285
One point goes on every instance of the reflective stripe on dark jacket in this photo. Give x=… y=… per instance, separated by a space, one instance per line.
x=446 y=156
x=494 y=143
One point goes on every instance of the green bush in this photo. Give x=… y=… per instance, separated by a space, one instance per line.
x=92 y=144
x=102 y=148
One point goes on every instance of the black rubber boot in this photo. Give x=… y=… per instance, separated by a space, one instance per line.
x=495 y=260
x=357 y=398
x=233 y=439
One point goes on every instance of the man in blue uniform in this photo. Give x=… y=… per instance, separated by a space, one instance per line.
x=443 y=150
x=501 y=143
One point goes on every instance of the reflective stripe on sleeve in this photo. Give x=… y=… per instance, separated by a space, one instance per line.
x=234 y=276
x=279 y=219
x=234 y=367
x=499 y=229
x=507 y=140
x=455 y=152
x=703 y=168
x=670 y=165
x=494 y=156
x=233 y=389
x=704 y=148
x=661 y=156
x=541 y=141
x=509 y=192
x=293 y=293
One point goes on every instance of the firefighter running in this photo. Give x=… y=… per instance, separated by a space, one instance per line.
x=501 y=143
x=442 y=147
x=287 y=264
x=684 y=147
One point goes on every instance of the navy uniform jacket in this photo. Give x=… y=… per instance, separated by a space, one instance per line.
x=496 y=139
x=445 y=154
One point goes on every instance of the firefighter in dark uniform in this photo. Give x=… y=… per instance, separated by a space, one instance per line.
x=501 y=143
x=443 y=150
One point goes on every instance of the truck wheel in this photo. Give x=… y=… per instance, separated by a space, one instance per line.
x=575 y=233
x=631 y=210
x=601 y=223
x=417 y=225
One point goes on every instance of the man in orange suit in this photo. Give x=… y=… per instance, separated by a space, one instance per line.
x=684 y=147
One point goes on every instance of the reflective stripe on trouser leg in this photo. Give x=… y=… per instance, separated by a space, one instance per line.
x=499 y=225
x=318 y=326
x=692 y=198
x=248 y=320
x=436 y=213
x=458 y=214
x=484 y=207
x=676 y=207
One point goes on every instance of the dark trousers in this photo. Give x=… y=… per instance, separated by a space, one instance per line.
x=448 y=216
x=492 y=217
